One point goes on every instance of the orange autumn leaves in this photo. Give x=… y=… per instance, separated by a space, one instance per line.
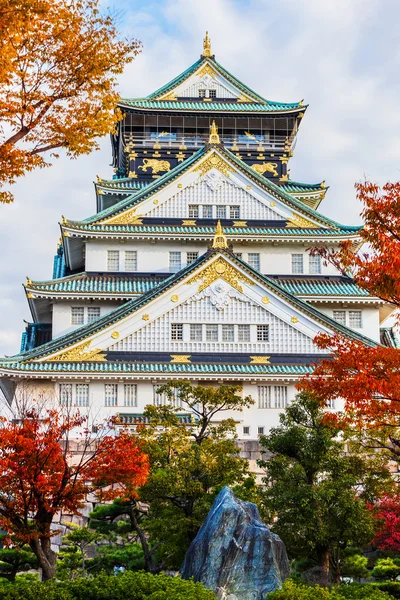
x=58 y=66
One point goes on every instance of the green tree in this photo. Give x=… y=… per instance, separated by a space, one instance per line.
x=73 y=558
x=386 y=568
x=16 y=559
x=315 y=494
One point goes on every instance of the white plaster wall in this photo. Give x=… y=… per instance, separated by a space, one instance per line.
x=369 y=317
x=62 y=314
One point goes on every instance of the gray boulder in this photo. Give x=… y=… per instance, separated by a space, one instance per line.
x=234 y=553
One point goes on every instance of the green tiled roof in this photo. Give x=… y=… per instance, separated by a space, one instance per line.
x=240 y=107
x=321 y=287
x=125 y=183
x=297 y=186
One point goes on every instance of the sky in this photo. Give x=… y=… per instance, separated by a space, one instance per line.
x=341 y=56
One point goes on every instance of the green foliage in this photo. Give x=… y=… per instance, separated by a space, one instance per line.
x=354 y=564
x=14 y=560
x=129 y=556
x=72 y=558
x=386 y=568
x=296 y=591
x=128 y=586
x=315 y=495
x=391 y=587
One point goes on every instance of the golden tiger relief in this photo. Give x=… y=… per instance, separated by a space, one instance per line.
x=266 y=167
x=156 y=165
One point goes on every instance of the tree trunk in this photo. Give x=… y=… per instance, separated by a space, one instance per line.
x=46 y=556
x=324 y=557
x=150 y=565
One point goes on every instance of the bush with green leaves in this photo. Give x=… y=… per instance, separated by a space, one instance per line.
x=299 y=591
x=128 y=586
x=386 y=568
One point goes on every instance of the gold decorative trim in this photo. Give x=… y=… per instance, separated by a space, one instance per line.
x=243 y=98
x=78 y=354
x=260 y=360
x=180 y=156
x=240 y=223
x=220 y=269
x=207 y=70
x=248 y=187
x=180 y=185
x=294 y=320
x=66 y=234
x=100 y=192
x=115 y=335
x=169 y=97
x=207 y=46
x=145 y=317
x=272 y=204
x=128 y=217
x=132 y=175
x=220 y=240
x=266 y=300
x=188 y=223
x=29 y=295
x=174 y=298
x=266 y=167
x=180 y=358
x=155 y=201
x=297 y=221
x=284 y=178
x=214 y=137
x=214 y=161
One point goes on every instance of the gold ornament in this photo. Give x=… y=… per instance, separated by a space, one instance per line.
x=155 y=201
x=243 y=98
x=220 y=240
x=297 y=221
x=170 y=97
x=207 y=46
x=132 y=175
x=214 y=137
x=188 y=223
x=128 y=217
x=115 y=335
x=145 y=317
x=265 y=167
x=294 y=320
x=266 y=300
x=272 y=204
x=207 y=70
x=240 y=223
x=180 y=156
x=260 y=360
x=174 y=298
x=214 y=161
x=155 y=165
x=79 y=353
x=220 y=269
x=180 y=358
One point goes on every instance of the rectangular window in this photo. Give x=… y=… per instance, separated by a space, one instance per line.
x=243 y=333
x=355 y=319
x=193 y=211
x=77 y=315
x=176 y=331
x=165 y=400
x=212 y=333
x=93 y=313
x=113 y=260
x=202 y=93
x=228 y=333
x=234 y=212
x=221 y=212
x=111 y=394
x=130 y=260
x=253 y=259
x=315 y=265
x=297 y=263
x=330 y=404
x=207 y=212
x=175 y=262
x=212 y=93
x=82 y=394
x=191 y=257
x=280 y=396
x=246 y=430
x=65 y=391
x=260 y=430
x=130 y=395
x=264 y=396
x=262 y=333
x=196 y=332
x=340 y=316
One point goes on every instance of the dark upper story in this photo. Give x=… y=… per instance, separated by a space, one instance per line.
x=163 y=129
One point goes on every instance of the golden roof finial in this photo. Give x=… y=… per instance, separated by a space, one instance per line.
x=220 y=240
x=207 y=46
x=214 y=137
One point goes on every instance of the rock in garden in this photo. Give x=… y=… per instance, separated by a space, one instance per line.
x=234 y=552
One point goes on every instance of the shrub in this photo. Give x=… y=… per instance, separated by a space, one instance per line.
x=386 y=568
x=294 y=591
x=391 y=587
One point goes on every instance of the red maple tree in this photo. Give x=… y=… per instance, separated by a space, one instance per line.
x=44 y=473
x=387 y=515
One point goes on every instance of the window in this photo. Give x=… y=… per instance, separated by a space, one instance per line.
x=264 y=396
x=246 y=430
x=253 y=259
x=82 y=394
x=212 y=93
x=330 y=403
x=221 y=212
x=280 y=396
x=113 y=260
x=234 y=212
x=191 y=257
x=272 y=396
x=243 y=333
x=65 y=391
x=130 y=395
x=130 y=260
x=297 y=263
x=260 y=430
x=176 y=331
x=93 y=313
x=193 y=211
x=111 y=394
x=77 y=315
x=202 y=93
x=262 y=333
x=355 y=319
x=228 y=333
x=340 y=316
x=212 y=333
x=174 y=262
x=196 y=332
x=165 y=400
x=207 y=212
x=315 y=265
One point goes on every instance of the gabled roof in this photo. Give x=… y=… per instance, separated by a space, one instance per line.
x=83 y=334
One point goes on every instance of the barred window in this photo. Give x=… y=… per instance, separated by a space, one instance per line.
x=93 y=313
x=280 y=396
x=193 y=211
x=113 y=260
x=253 y=259
x=207 y=212
x=264 y=396
x=234 y=212
x=65 y=391
x=262 y=333
x=191 y=257
x=243 y=333
x=228 y=333
x=340 y=316
x=175 y=262
x=130 y=260
x=315 y=265
x=130 y=394
x=212 y=333
x=212 y=93
x=246 y=430
x=111 y=394
x=355 y=319
x=221 y=212
x=196 y=332
x=297 y=263
x=272 y=396
x=77 y=315
x=202 y=93
x=176 y=331
x=164 y=400
x=82 y=394
x=260 y=430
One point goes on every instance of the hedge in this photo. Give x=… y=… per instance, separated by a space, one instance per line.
x=300 y=591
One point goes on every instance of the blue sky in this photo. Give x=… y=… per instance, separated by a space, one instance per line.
x=342 y=56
